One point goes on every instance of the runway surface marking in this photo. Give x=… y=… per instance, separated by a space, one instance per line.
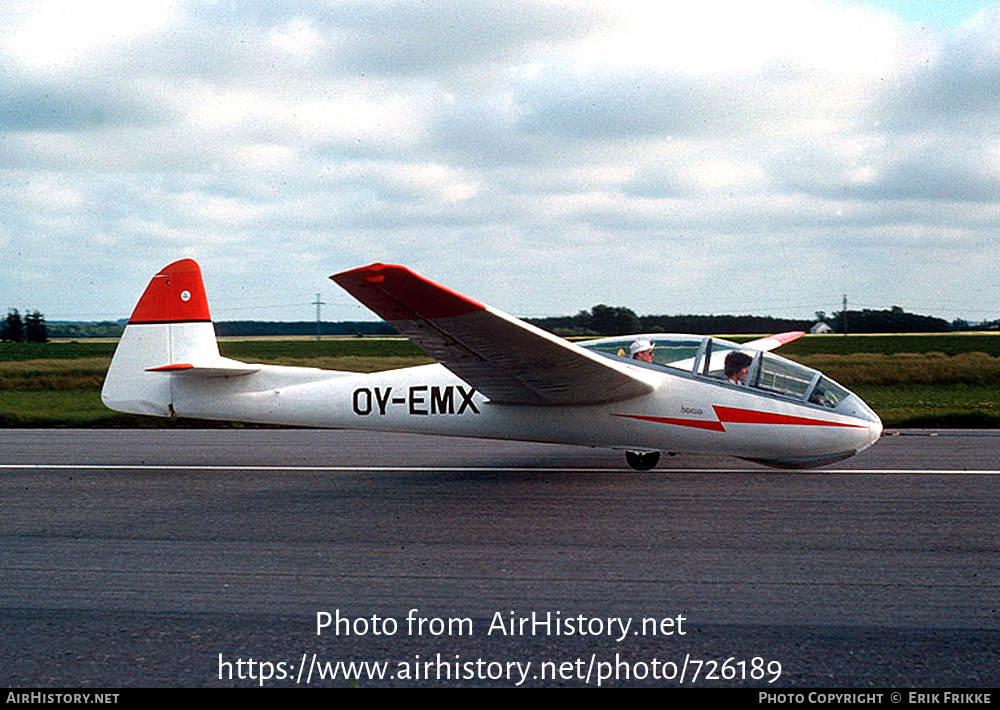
x=486 y=469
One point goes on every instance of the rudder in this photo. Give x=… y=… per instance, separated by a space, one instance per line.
x=171 y=325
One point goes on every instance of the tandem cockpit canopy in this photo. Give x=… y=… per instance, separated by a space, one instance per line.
x=706 y=358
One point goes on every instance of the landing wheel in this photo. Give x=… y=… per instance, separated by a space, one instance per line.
x=642 y=460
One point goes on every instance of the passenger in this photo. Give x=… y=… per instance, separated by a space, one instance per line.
x=641 y=350
x=737 y=366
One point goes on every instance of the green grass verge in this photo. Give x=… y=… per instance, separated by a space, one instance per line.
x=79 y=408
x=56 y=350
x=45 y=408
x=948 y=406
x=947 y=343
x=259 y=349
x=272 y=350
x=256 y=350
x=956 y=406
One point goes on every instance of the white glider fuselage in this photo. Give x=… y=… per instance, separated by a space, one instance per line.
x=431 y=400
x=167 y=363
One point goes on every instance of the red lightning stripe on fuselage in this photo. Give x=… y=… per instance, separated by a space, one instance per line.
x=734 y=415
x=695 y=423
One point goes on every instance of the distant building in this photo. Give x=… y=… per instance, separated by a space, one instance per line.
x=820 y=328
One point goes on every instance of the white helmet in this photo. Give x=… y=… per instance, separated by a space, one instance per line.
x=639 y=346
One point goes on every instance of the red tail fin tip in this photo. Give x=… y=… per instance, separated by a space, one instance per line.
x=175 y=294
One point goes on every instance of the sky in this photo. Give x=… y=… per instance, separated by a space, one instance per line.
x=542 y=157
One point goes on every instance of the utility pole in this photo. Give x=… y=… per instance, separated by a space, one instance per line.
x=317 y=303
x=843 y=316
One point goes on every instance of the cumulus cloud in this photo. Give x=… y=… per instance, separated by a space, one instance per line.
x=543 y=156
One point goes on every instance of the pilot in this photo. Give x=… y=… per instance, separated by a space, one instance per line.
x=737 y=366
x=641 y=350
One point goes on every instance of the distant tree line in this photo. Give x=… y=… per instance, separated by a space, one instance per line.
x=600 y=320
x=615 y=320
x=244 y=328
x=252 y=327
x=104 y=329
x=893 y=320
x=30 y=329
x=960 y=324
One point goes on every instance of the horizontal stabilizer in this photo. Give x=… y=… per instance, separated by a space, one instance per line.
x=219 y=368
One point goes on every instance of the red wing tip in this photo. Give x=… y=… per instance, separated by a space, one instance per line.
x=371 y=271
x=789 y=336
x=171 y=368
x=396 y=292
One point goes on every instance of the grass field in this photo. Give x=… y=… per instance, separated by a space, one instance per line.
x=910 y=380
x=945 y=343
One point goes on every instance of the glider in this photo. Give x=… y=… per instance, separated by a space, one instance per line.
x=496 y=377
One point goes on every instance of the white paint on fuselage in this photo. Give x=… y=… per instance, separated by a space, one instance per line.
x=415 y=400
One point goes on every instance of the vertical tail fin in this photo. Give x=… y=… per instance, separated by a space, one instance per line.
x=170 y=326
x=175 y=295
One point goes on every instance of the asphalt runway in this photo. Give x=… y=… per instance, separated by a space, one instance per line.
x=174 y=557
